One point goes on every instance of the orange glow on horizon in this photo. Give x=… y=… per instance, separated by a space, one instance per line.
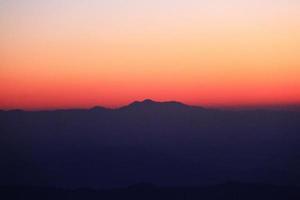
x=76 y=57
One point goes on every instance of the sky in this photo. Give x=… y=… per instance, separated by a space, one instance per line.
x=74 y=53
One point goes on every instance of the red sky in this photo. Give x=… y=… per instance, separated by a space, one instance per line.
x=63 y=54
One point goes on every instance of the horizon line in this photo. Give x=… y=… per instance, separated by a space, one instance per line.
x=274 y=106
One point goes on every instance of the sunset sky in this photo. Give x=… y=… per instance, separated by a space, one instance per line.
x=75 y=53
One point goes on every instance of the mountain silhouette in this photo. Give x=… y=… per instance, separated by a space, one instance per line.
x=165 y=143
x=149 y=104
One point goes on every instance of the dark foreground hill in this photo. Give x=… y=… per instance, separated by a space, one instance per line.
x=219 y=192
x=165 y=143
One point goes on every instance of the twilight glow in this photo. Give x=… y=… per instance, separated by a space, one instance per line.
x=74 y=53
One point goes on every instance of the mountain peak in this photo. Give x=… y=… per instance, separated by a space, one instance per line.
x=144 y=102
x=151 y=104
x=148 y=101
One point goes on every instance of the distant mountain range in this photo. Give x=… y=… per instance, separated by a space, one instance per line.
x=149 y=103
x=165 y=143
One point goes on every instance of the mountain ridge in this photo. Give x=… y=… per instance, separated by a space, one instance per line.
x=150 y=103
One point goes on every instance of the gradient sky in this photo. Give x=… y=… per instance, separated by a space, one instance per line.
x=74 y=53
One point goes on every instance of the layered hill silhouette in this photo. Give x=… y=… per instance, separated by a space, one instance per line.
x=165 y=143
